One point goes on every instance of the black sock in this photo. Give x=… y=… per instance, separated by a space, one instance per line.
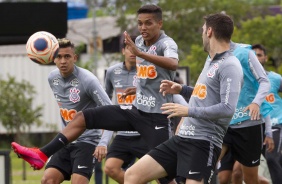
x=55 y=145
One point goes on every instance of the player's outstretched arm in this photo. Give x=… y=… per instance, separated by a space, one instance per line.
x=170 y=87
x=174 y=109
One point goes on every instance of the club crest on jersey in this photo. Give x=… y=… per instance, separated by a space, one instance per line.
x=152 y=50
x=56 y=82
x=74 y=97
x=117 y=71
x=212 y=71
x=74 y=82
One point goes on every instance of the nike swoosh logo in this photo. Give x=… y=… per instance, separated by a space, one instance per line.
x=253 y=162
x=60 y=139
x=190 y=172
x=157 y=128
x=81 y=167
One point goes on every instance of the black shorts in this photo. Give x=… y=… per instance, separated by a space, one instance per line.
x=245 y=144
x=153 y=127
x=127 y=148
x=188 y=158
x=227 y=162
x=74 y=158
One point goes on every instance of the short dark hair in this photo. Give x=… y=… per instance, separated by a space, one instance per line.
x=221 y=24
x=259 y=46
x=153 y=9
x=64 y=43
x=132 y=38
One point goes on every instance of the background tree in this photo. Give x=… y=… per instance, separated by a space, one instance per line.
x=183 y=21
x=17 y=112
x=266 y=31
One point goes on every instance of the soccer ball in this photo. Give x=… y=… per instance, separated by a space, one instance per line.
x=42 y=47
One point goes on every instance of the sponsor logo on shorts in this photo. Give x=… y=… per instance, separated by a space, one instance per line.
x=255 y=161
x=81 y=167
x=157 y=128
x=191 y=172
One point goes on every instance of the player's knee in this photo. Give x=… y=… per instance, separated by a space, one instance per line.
x=48 y=180
x=251 y=178
x=223 y=178
x=131 y=177
x=237 y=175
x=109 y=170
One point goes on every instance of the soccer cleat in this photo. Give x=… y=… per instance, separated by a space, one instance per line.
x=33 y=156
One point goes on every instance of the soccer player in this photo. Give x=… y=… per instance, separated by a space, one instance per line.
x=127 y=145
x=274 y=159
x=75 y=89
x=244 y=136
x=156 y=60
x=194 y=151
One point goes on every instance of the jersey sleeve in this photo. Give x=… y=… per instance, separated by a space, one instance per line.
x=261 y=77
x=170 y=49
x=179 y=99
x=186 y=92
x=108 y=84
x=96 y=91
